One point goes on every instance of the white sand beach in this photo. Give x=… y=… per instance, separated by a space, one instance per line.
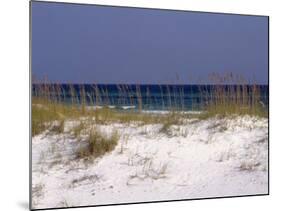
x=214 y=157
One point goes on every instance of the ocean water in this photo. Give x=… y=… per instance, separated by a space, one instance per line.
x=146 y=97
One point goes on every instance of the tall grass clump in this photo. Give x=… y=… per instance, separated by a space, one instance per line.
x=51 y=106
x=98 y=143
x=173 y=118
x=58 y=126
x=42 y=118
x=77 y=130
x=229 y=94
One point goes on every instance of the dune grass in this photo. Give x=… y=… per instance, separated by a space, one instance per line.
x=45 y=113
x=98 y=143
x=49 y=104
x=42 y=118
x=77 y=130
x=51 y=110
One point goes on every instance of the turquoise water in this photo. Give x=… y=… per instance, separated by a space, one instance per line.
x=147 y=97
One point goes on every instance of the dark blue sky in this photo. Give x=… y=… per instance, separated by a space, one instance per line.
x=96 y=44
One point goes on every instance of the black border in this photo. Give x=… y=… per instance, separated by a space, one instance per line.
x=30 y=107
x=131 y=7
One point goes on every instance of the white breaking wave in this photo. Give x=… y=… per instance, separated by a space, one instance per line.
x=128 y=107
